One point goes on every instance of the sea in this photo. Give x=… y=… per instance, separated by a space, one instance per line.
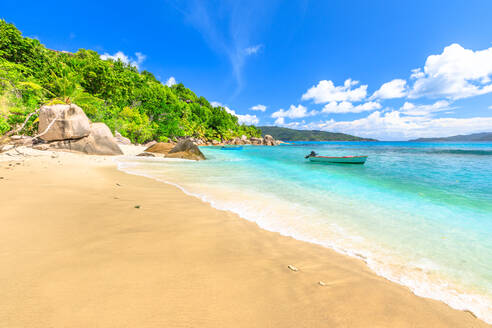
x=418 y=214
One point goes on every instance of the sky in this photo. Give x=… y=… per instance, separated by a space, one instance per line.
x=391 y=70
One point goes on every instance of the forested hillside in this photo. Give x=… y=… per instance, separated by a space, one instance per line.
x=485 y=136
x=287 y=134
x=134 y=103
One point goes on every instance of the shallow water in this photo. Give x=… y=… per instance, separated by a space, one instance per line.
x=419 y=214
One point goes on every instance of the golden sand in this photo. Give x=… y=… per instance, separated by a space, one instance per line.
x=84 y=245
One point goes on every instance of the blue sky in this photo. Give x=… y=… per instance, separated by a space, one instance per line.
x=392 y=70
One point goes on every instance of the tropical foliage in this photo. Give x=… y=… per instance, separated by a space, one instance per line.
x=134 y=103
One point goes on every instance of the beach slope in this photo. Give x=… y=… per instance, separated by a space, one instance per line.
x=85 y=245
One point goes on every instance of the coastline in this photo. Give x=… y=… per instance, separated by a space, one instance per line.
x=77 y=252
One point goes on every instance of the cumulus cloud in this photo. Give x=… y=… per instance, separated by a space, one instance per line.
x=348 y=107
x=247 y=119
x=389 y=90
x=253 y=50
x=326 y=91
x=280 y=121
x=242 y=119
x=125 y=59
x=171 y=81
x=395 y=126
x=259 y=107
x=455 y=73
x=409 y=108
x=294 y=112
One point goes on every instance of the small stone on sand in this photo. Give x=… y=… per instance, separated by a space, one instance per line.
x=293 y=268
x=321 y=283
x=137 y=206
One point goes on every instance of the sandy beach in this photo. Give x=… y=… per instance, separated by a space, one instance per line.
x=85 y=245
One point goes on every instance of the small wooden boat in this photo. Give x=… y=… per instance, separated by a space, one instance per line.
x=232 y=147
x=313 y=157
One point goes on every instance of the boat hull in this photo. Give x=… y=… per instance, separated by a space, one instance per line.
x=339 y=160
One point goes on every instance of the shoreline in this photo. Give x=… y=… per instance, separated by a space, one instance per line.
x=78 y=252
x=424 y=288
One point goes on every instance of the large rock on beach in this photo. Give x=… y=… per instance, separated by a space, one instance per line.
x=100 y=141
x=186 y=149
x=160 y=148
x=269 y=141
x=236 y=141
x=21 y=141
x=70 y=122
x=120 y=139
x=150 y=143
x=257 y=141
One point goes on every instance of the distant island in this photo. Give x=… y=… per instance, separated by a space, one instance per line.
x=484 y=136
x=287 y=134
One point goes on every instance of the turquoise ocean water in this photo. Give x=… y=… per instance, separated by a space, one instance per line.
x=419 y=214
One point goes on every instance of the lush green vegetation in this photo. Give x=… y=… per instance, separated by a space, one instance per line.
x=307 y=135
x=134 y=103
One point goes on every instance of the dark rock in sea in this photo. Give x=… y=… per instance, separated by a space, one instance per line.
x=186 y=149
x=160 y=148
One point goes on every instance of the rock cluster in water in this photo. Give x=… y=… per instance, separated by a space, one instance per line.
x=185 y=149
x=268 y=140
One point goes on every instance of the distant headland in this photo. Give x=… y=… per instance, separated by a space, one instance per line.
x=287 y=134
x=484 y=136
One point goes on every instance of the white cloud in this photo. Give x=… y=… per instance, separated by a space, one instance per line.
x=389 y=90
x=242 y=119
x=394 y=126
x=293 y=112
x=326 y=92
x=171 y=81
x=253 y=50
x=259 y=107
x=347 y=107
x=295 y=125
x=409 y=108
x=280 y=121
x=125 y=59
x=455 y=73
x=247 y=119
x=140 y=57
